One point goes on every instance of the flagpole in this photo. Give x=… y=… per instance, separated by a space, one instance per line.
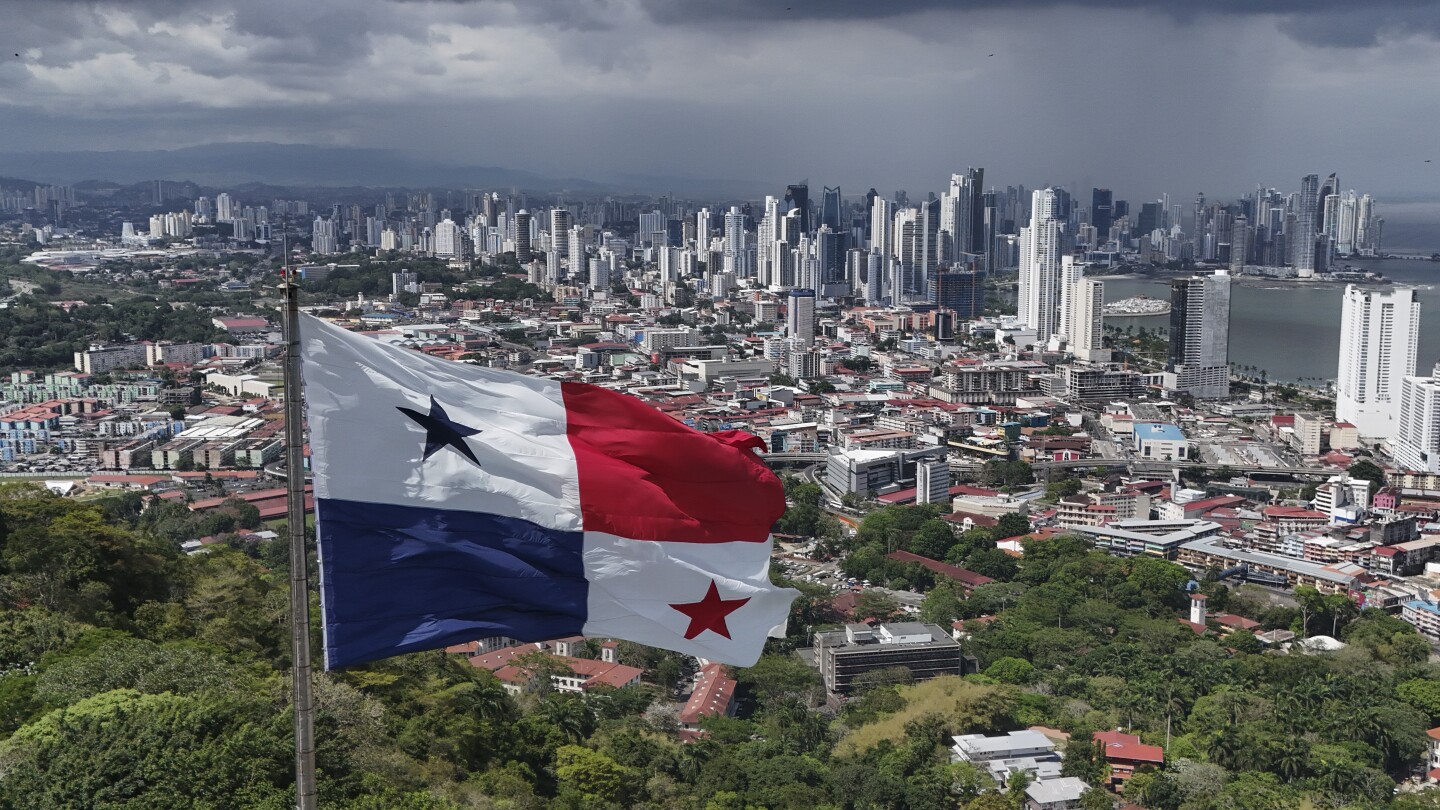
x=305 y=798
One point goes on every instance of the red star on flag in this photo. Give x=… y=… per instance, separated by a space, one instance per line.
x=709 y=613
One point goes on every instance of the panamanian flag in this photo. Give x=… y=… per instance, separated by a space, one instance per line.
x=456 y=502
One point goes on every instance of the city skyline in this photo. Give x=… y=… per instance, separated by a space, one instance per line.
x=646 y=88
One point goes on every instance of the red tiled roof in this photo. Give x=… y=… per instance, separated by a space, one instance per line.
x=495 y=659
x=975 y=518
x=955 y=572
x=712 y=696
x=1206 y=504
x=1119 y=745
x=1237 y=622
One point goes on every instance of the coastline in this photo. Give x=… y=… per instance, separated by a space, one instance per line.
x=1247 y=281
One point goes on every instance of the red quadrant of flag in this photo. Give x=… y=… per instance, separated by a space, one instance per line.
x=645 y=476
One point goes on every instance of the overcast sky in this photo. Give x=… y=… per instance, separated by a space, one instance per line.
x=1144 y=97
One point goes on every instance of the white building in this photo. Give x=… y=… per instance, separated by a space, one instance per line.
x=1055 y=794
x=735 y=249
x=932 y=482
x=800 y=316
x=1041 y=246
x=1344 y=499
x=979 y=748
x=1087 y=321
x=103 y=359
x=325 y=236
x=449 y=240
x=1160 y=441
x=1378 y=336
x=1416 y=446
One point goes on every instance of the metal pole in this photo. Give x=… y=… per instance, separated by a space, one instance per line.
x=299 y=559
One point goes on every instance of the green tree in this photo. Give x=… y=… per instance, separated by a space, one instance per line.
x=1096 y=799
x=878 y=605
x=1011 y=524
x=1423 y=694
x=1367 y=470
x=993 y=563
x=128 y=749
x=591 y=774
x=1011 y=670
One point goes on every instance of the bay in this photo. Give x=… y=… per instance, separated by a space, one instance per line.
x=1293 y=331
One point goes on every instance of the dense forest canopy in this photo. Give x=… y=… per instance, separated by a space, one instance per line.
x=135 y=676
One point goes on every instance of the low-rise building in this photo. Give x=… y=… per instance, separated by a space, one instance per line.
x=1124 y=753
x=978 y=748
x=1055 y=794
x=104 y=359
x=1424 y=615
x=1405 y=559
x=713 y=696
x=1160 y=441
x=1148 y=538
x=925 y=650
x=1270 y=569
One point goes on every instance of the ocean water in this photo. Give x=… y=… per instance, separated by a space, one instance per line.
x=1293 y=332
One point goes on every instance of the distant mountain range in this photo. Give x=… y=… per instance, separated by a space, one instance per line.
x=233 y=164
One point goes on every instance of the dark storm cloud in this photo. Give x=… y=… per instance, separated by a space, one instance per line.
x=1146 y=95
x=1343 y=23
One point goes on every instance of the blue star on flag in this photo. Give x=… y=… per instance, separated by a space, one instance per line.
x=441 y=432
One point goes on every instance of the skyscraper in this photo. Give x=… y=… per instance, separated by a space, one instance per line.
x=959 y=291
x=559 y=235
x=1087 y=318
x=957 y=218
x=1199 y=362
x=797 y=197
x=523 y=252
x=449 y=240
x=800 y=317
x=575 y=254
x=978 y=243
x=324 y=236
x=1040 y=250
x=1239 y=245
x=1302 y=238
x=926 y=235
x=830 y=261
x=735 y=253
x=1416 y=446
x=1102 y=212
x=831 y=205
x=1378 y=336
x=224 y=207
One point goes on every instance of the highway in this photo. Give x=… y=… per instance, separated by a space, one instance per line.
x=1132 y=464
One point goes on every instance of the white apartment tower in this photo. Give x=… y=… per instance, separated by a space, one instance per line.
x=1378 y=336
x=800 y=317
x=449 y=240
x=325 y=236
x=735 y=253
x=1416 y=446
x=1087 y=321
x=1041 y=246
x=224 y=207
x=560 y=232
x=575 y=253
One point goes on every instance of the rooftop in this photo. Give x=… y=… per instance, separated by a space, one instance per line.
x=1158 y=431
